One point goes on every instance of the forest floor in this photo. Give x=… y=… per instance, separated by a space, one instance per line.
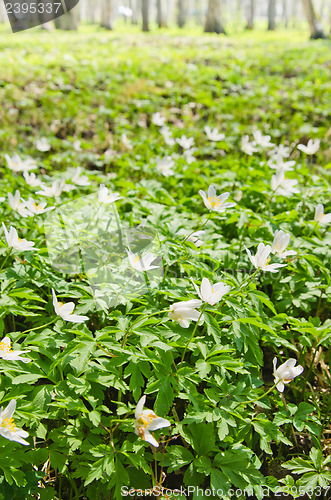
x=93 y=108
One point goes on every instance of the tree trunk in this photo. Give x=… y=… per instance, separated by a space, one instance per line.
x=136 y=8
x=92 y=11
x=145 y=14
x=213 y=19
x=182 y=11
x=198 y=12
x=69 y=21
x=3 y=14
x=106 y=14
x=271 y=15
x=251 y=14
x=285 y=13
x=160 y=14
x=316 y=30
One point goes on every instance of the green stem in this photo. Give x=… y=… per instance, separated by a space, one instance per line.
x=292 y=428
x=268 y=200
x=306 y=237
x=192 y=336
x=308 y=375
x=250 y=278
x=199 y=228
x=6 y=258
x=257 y=399
x=33 y=329
x=241 y=241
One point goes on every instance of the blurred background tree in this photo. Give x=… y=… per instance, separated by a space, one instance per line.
x=212 y=15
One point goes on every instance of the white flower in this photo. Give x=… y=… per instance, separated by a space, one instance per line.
x=282 y=185
x=248 y=147
x=15 y=242
x=65 y=311
x=214 y=202
x=77 y=146
x=31 y=179
x=238 y=195
x=158 y=119
x=213 y=134
x=278 y=164
x=7 y=353
x=80 y=180
x=43 y=145
x=185 y=142
x=125 y=141
x=17 y=204
x=320 y=216
x=16 y=164
x=8 y=428
x=184 y=312
x=52 y=191
x=188 y=153
x=2 y=198
x=167 y=136
x=286 y=372
x=280 y=151
x=311 y=148
x=141 y=263
x=36 y=209
x=281 y=240
x=262 y=140
x=165 y=166
x=261 y=259
x=146 y=422
x=209 y=293
x=106 y=198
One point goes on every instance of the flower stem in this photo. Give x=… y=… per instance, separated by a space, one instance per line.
x=199 y=228
x=257 y=399
x=6 y=258
x=191 y=338
x=292 y=428
x=33 y=329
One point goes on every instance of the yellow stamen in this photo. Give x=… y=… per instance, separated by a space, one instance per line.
x=8 y=423
x=214 y=201
x=60 y=304
x=5 y=347
x=136 y=259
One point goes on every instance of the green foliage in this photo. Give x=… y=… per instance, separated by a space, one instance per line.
x=212 y=380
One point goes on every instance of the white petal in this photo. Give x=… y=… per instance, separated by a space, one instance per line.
x=205 y=288
x=140 y=406
x=280 y=386
x=150 y=439
x=159 y=423
x=75 y=318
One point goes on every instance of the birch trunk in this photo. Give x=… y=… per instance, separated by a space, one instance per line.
x=106 y=14
x=316 y=30
x=213 y=19
x=145 y=14
x=271 y=15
